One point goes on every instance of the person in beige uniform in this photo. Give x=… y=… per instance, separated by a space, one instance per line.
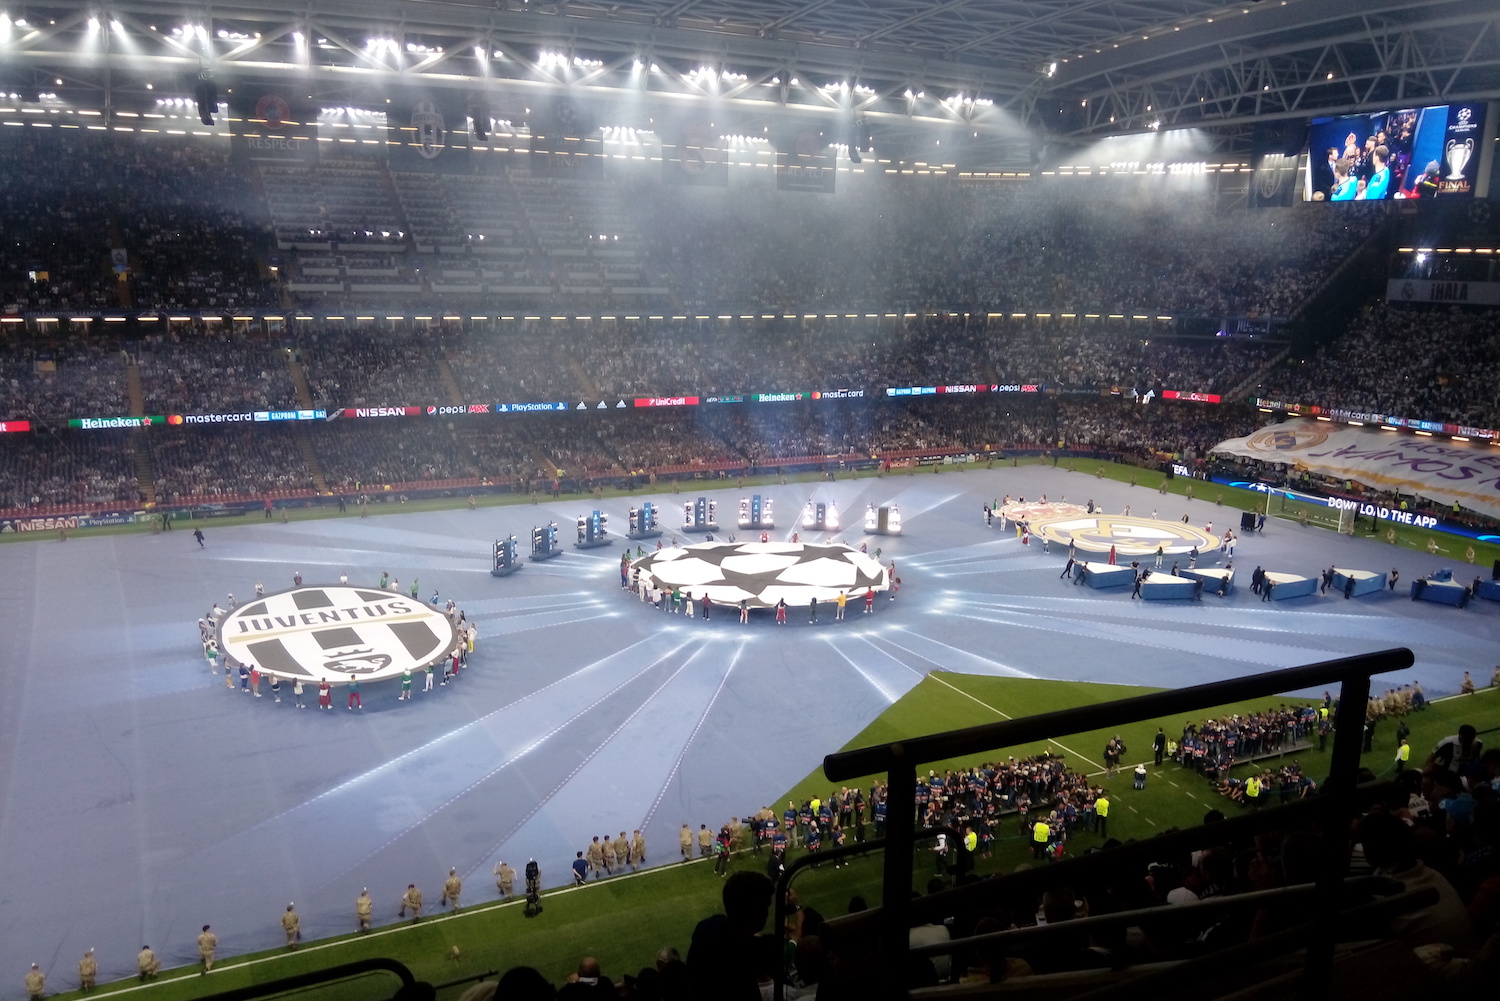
x=638 y=850
x=705 y=840
x=363 y=908
x=411 y=899
x=685 y=838
x=622 y=851
x=452 y=887
x=88 y=971
x=292 y=925
x=146 y=963
x=607 y=849
x=207 y=943
x=595 y=856
x=36 y=982
x=505 y=880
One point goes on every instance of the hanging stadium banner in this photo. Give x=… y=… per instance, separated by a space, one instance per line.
x=567 y=156
x=695 y=158
x=1273 y=181
x=1447 y=293
x=806 y=164
x=1447 y=472
x=423 y=135
x=268 y=127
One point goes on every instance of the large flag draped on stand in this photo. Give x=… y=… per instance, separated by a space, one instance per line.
x=1442 y=471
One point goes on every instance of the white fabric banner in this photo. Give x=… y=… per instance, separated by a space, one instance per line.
x=1440 y=470
x=1423 y=290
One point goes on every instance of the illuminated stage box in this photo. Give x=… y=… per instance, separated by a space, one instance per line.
x=1290 y=585
x=1365 y=581
x=1105 y=575
x=1211 y=577
x=1166 y=587
x=1444 y=592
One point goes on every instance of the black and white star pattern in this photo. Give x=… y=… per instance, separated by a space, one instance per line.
x=763 y=573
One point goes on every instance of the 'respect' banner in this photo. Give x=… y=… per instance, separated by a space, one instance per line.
x=272 y=127
x=1447 y=472
x=6 y=426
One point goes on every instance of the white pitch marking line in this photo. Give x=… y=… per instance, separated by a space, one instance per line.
x=997 y=712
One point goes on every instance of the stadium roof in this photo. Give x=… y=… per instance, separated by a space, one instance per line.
x=1000 y=73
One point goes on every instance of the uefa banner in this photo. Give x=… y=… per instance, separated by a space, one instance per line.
x=269 y=127
x=567 y=157
x=807 y=164
x=1447 y=472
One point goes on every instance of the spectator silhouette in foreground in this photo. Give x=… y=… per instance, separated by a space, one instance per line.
x=728 y=958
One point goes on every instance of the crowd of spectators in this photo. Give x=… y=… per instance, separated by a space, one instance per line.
x=356 y=455
x=191 y=229
x=39 y=470
x=202 y=371
x=355 y=458
x=370 y=368
x=204 y=464
x=1437 y=827
x=61 y=376
x=1104 y=246
x=1416 y=363
x=526 y=366
x=197 y=235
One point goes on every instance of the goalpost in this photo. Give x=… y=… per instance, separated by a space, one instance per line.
x=1307 y=509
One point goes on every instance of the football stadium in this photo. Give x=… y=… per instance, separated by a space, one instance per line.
x=779 y=499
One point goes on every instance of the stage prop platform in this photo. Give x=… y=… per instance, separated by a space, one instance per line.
x=1490 y=590
x=1365 y=582
x=763 y=573
x=1024 y=512
x=1291 y=585
x=1102 y=575
x=335 y=632
x=1211 y=577
x=1440 y=588
x=1130 y=537
x=1166 y=587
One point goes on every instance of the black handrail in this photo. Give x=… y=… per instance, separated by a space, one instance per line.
x=312 y=978
x=842 y=765
x=900 y=760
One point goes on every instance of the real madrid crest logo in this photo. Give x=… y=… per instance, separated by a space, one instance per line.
x=1286 y=438
x=1098 y=533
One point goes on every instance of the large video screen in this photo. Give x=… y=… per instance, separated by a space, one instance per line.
x=1410 y=153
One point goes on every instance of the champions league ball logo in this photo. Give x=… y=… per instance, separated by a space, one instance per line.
x=763 y=573
x=333 y=632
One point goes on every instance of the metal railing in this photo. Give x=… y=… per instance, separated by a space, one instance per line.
x=901 y=760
